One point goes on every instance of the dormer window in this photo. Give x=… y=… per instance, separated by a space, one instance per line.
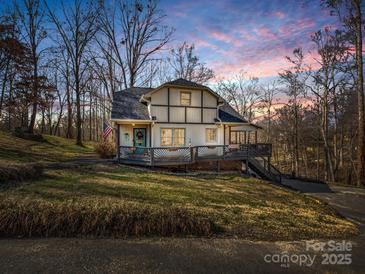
x=185 y=98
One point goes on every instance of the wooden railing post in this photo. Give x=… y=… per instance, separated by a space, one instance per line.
x=152 y=152
x=192 y=154
x=118 y=141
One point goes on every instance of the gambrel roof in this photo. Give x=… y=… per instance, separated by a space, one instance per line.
x=127 y=104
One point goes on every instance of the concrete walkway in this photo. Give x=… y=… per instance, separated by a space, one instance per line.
x=306 y=187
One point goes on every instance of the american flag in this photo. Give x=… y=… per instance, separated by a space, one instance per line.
x=106 y=130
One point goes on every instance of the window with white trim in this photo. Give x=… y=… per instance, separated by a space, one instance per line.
x=173 y=137
x=211 y=135
x=185 y=98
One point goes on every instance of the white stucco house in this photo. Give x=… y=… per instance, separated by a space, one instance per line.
x=181 y=122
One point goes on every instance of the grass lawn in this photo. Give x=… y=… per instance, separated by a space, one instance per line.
x=119 y=201
x=56 y=149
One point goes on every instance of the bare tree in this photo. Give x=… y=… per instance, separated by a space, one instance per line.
x=185 y=64
x=243 y=93
x=333 y=53
x=350 y=13
x=142 y=35
x=76 y=29
x=269 y=92
x=295 y=89
x=31 y=14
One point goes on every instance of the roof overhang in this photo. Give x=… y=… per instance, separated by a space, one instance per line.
x=131 y=121
x=148 y=94
x=239 y=124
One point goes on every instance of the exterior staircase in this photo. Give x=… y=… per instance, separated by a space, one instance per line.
x=264 y=169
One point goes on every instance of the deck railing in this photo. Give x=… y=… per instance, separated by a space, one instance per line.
x=188 y=155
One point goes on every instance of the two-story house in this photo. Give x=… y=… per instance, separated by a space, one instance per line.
x=180 y=122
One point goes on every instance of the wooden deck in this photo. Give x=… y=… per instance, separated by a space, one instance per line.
x=164 y=156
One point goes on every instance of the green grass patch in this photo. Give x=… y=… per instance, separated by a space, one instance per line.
x=118 y=201
x=55 y=149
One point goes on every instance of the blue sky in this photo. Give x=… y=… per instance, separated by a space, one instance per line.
x=253 y=36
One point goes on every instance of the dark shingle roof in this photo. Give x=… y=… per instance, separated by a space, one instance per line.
x=185 y=83
x=228 y=114
x=126 y=104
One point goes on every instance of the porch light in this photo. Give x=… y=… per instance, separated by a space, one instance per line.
x=133 y=125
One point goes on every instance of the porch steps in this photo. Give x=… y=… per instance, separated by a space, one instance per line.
x=264 y=169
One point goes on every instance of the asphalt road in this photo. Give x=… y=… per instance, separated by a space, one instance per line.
x=184 y=255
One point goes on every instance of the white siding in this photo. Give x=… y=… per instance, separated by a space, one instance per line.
x=159 y=97
x=160 y=113
x=209 y=100
x=126 y=134
x=193 y=115
x=209 y=115
x=177 y=114
x=194 y=134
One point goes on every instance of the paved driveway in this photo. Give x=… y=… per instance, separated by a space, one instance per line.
x=180 y=255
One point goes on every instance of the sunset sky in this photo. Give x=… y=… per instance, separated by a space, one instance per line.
x=250 y=35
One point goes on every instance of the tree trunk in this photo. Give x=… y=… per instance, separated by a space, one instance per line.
x=90 y=117
x=69 y=111
x=34 y=92
x=4 y=86
x=78 y=106
x=360 y=97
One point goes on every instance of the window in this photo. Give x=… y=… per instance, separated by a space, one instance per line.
x=211 y=135
x=185 y=98
x=234 y=137
x=173 y=137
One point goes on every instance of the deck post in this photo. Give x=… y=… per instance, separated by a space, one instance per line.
x=218 y=166
x=192 y=154
x=152 y=156
x=118 y=142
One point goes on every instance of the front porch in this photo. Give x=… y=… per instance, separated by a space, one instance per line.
x=163 y=156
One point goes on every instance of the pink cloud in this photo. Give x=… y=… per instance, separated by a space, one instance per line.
x=293 y=27
x=179 y=14
x=265 y=33
x=229 y=39
x=279 y=14
x=200 y=43
x=246 y=35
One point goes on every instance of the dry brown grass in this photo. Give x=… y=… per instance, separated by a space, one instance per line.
x=98 y=219
x=105 y=149
x=55 y=149
x=10 y=173
x=119 y=201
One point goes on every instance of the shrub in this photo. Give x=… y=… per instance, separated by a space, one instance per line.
x=105 y=149
x=31 y=217
x=20 y=172
x=24 y=134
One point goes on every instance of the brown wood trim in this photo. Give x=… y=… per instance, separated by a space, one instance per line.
x=118 y=141
x=178 y=106
x=202 y=105
x=188 y=123
x=229 y=135
x=150 y=135
x=168 y=104
x=224 y=134
x=185 y=115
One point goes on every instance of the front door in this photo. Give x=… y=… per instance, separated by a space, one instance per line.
x=139 y=139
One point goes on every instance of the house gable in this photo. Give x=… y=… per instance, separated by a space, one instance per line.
x=167 y=107
x=163 y=105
